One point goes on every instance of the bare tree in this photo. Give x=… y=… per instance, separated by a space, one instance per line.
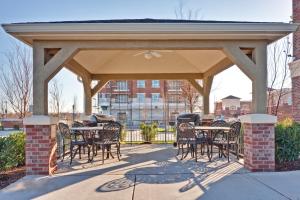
x=182 y=13
x=190 y=95
x=16 y=79
x=56 y=101
x=279 y=57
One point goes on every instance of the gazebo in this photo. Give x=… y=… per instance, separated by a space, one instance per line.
x=106 y=50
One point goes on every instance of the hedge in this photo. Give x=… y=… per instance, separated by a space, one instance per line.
x=12 y=151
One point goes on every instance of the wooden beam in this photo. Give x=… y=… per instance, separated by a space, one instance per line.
x=146 y=44
x=196 y=85
x=78 y=69
x=237 y=56
x=99 y=86
x=219 y=67
x=55 y=63
x=148 y=76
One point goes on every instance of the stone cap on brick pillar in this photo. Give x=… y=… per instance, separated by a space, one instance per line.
x=295 y=68
x=258 y=119
x=40 y=120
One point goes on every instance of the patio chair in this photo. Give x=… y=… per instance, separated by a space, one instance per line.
x=110 y=135
x=233 y=137
x=218 y=135
x=74 y=141
x=186 y=135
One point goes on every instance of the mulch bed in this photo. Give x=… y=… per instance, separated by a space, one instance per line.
x=290 y=166
x=10 y=176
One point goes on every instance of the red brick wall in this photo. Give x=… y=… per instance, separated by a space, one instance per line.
x=296 y=19
x=40 y=149
x=259 y=147
x=296 y=97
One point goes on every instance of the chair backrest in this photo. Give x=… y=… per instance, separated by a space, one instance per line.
x=77 y=124
x=235 y=130
x=185 y=131
x=64 y=130
x=219 y=133
x=111 y=132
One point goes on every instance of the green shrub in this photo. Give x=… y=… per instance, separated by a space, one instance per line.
x=149 y=131
x=12 y=151
x=287 y=141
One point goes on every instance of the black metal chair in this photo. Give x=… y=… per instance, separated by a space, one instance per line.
x=218 y=135
x=187 y=136
x=229 y=140
x=110 y=135
x=74 y=141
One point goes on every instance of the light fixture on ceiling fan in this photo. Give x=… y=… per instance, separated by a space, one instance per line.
x=148 y=54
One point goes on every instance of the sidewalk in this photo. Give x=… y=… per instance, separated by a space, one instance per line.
x=153 y=172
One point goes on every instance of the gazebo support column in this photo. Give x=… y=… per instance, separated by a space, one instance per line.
x=40 y=149
x=207 y=83
x=87 y=96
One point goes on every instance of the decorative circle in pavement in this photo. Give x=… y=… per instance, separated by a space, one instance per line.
x=116 y=185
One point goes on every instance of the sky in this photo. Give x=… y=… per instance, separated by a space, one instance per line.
x=229 y=82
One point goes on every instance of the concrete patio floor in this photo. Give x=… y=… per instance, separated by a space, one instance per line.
x=154 y=172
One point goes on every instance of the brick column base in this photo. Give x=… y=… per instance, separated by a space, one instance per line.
x=259 y=142
x=40 y=145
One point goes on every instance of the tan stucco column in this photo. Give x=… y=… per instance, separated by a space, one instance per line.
x=87 y=98
x=40 y=85
x=207 y=83
x=260 y=81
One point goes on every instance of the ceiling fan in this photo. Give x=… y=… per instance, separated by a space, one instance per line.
x=149 y=54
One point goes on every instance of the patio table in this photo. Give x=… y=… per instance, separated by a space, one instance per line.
x=89 y=133
x=210 y=130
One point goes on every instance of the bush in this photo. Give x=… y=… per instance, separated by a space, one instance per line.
x=287 y=141
x=12 y=151
x=149 y=131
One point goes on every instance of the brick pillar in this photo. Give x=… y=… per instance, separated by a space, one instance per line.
x=259 y=142
x=295 y=66
x=40 y=145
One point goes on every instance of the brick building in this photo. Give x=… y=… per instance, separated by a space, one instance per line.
x=133 y=101
x=232 y=106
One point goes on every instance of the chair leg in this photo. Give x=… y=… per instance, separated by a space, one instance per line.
x=103 y=149
x=237 y=151
x=79 y=151
x=63 y=154
x=71 y=153
x=118 y=151
x=182 y=152
x=196 y=152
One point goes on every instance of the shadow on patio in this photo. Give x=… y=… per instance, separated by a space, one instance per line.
x=150 y=166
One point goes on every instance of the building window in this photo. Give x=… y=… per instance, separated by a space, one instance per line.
x=140 y=97
x=173 y=98
x=174 y=85
x=155 y=97
x=122 y=85
x=121 y=98
x=232 y=108
x=155 y=83
x=140 y=84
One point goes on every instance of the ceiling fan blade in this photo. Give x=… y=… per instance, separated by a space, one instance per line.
x=155 y=54
x=139 y=53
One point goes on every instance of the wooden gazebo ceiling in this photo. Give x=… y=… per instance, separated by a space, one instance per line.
x=127 y=61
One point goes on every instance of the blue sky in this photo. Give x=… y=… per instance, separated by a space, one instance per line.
x=57 y=10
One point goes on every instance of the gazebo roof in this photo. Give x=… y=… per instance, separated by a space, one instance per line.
x=148 y=29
